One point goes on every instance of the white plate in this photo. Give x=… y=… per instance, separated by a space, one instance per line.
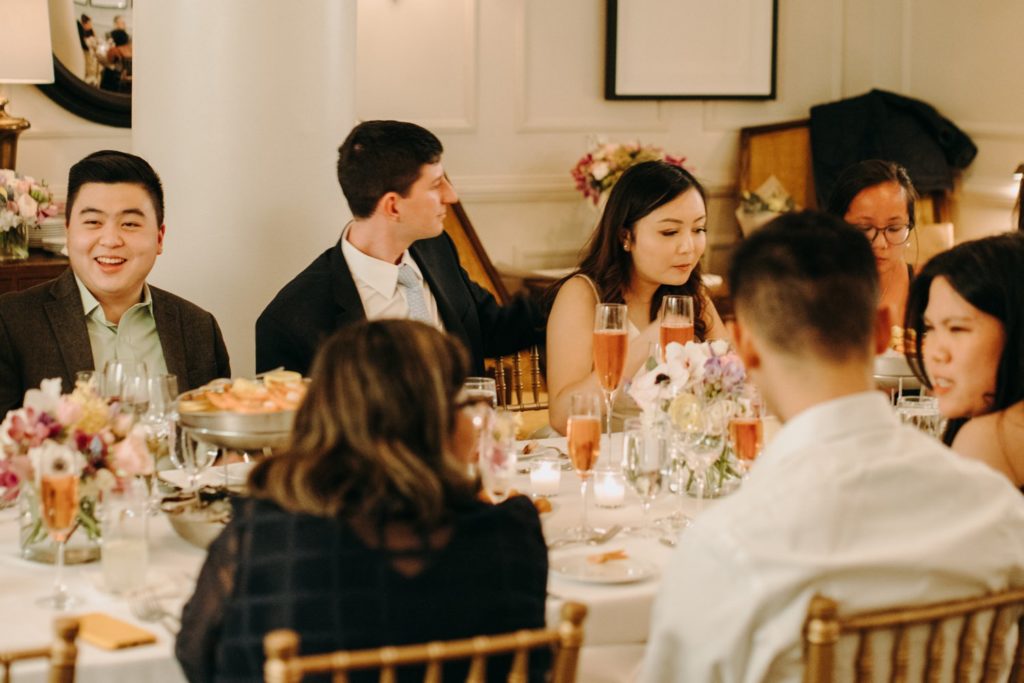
x=238 y=475
x=629 y=570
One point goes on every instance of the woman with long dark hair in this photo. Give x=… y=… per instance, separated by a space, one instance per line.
x=648 y=243
x=367 y=531
x=967 y=309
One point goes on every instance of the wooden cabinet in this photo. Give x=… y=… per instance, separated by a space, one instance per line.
x=40 y=267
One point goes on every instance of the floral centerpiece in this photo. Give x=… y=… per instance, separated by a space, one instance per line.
x=110 y=447
x=23 y=203
x=604 y=164
x=708 y=375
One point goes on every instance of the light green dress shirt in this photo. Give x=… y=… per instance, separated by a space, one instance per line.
x=133 y=338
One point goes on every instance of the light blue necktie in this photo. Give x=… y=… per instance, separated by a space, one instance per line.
x=414 y=294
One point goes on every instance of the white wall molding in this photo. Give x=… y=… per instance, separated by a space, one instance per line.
x=656 y=122
x=546 y=187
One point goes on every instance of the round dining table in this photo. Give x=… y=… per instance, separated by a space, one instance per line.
x=615 y=628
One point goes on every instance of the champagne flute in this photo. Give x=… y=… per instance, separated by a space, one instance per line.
x=676 y=321
x=746 y=429
x=158 y=422
x=584 y=439
x=610 y=346
x=643 y=461
x=58 y=493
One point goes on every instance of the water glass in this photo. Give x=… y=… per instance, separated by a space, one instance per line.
x=125 y=544
x=497 y=461
x=921 y=412
x=126 y=381
x=644 y=460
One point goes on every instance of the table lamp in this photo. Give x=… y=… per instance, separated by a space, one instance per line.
x=25 y=57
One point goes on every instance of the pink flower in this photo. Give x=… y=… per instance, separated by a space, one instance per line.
x=131 y=456
x=68 y=411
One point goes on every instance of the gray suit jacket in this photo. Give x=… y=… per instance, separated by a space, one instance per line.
x=43 y=334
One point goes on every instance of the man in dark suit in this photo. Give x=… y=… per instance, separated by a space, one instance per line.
x=392 y=261
x=101 y=308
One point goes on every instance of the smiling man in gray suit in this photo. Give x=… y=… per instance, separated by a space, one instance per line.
x=101 y=308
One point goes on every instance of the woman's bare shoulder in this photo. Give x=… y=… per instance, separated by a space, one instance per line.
x=997 y=439
x=576 y=292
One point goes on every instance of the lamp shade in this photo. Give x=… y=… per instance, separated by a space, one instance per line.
x=25 y=52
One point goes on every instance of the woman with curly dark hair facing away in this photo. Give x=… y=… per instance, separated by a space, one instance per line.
x=367 y=531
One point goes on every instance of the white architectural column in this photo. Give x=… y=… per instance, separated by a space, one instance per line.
x=240 y=106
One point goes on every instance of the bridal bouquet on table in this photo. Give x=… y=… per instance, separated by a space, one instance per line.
x=601 y=167
x=693 y=391
x=110 y=450
x=24 y=202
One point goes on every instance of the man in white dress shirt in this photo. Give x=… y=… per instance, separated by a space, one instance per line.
x=394 y=260
x=845 y=501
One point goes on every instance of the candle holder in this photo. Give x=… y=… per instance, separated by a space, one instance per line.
x=609 y=488
x=545 y=476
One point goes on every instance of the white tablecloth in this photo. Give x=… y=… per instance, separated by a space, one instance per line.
x=616 y=626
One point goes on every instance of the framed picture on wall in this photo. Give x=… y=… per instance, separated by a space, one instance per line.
x=690 y=49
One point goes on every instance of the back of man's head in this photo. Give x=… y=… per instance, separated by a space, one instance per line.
x=379 y=157
x=110 y=166
x=807 y=286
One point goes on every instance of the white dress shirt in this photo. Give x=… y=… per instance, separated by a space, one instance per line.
x=377 y=284
x=845 y=502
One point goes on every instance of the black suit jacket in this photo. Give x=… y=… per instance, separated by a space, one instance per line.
x=43 y=334
x=323 y=298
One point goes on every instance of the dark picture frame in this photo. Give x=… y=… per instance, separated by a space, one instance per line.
x=648 y=58
x=87 y=101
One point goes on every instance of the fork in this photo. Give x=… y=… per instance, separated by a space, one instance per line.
x=603 y=537
x=146 y=607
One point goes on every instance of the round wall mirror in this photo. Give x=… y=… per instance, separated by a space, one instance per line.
x=92 y=59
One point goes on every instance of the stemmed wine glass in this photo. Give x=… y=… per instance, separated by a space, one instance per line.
x=643 y=461
x=58 y=493
x=159 y=424
x=583 y=434
x=497 y=460
x=192 y=455
x=610 y=346
x=676 y=321
x=703 y=436
x=126 y=381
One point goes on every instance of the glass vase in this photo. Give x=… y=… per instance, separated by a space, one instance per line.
x=36 y=545
x=14 y=243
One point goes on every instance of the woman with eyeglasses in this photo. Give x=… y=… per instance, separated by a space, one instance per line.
x=877 y=197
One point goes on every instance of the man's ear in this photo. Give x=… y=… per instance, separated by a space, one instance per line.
x=883 y=328
x=387 y=206
x=743 y=342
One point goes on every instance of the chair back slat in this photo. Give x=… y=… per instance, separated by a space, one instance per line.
x=936 y=649
x=519 y=671
x=982 y=646
x=864 y=670
x=900 y=655
x=965 y=650
x=511 y=378
x=283 y=665
x=477 y=670
x=339 y=677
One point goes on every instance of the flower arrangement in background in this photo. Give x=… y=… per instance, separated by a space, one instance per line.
x=604 y=164
x=24 y=202
x=766 y=203
x=110 y=447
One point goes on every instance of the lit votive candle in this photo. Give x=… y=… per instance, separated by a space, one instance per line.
x=545 y=476
x=609 y=488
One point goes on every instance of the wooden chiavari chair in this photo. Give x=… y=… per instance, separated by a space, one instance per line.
x=520 y=382
x=62 y=653
x=283 y=665
x=981 y=630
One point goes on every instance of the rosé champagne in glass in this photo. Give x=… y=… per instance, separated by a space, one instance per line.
x=610 y=347
x=583 y=434
x=676 y=320
x=747 y=436
x=58 y=499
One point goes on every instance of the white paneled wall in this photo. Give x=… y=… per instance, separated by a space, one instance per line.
x=514 y=90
